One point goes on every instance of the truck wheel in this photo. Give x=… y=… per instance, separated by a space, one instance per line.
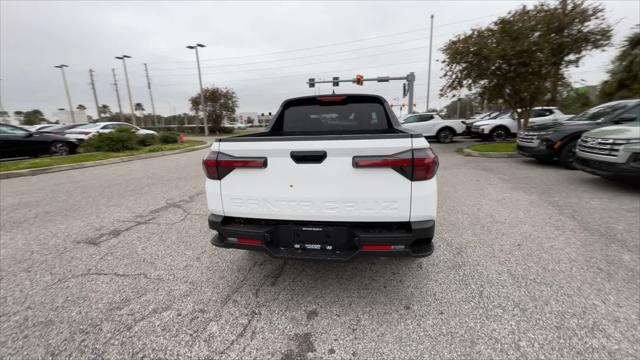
x=445 y=135
x=500 y=133
x=568 y=156
x=59 y=149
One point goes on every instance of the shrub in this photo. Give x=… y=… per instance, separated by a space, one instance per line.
x=168 y=138
x=115 y=141
x=147 y=139
x=224 y=130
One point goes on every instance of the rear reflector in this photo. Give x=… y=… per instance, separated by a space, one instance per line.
x=217 y=165
x=249 y=241
x=243 y=241
x=382 y=247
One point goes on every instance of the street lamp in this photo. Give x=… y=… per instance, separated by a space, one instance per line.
x=66 y=90
x=202 y=107
x=126 y=77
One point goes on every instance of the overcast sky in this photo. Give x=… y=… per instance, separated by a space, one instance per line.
x=265 y=51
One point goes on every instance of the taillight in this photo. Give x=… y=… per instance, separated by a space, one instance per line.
x=425 y=164
x=217 y=165
x=415 y=165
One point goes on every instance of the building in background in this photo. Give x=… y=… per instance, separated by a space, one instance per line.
x=64 y=116
x=247 y=118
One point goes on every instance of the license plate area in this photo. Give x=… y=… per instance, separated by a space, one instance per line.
x=313 y=237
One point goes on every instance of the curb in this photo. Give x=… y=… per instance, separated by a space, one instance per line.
x=52 y=169
x=468 y=152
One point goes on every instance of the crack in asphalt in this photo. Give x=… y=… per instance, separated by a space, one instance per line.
x=147 y=217
x=241 y=334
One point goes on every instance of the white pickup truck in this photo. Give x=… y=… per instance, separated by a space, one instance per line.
x=505 y=125
x=431 y=125
x=333 y=176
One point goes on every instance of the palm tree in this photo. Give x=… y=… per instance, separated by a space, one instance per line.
x=81 y=107
x=104 y=109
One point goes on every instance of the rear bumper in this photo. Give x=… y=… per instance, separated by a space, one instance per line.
x=338 y=241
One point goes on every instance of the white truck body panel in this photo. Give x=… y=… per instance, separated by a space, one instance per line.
x=330 y=191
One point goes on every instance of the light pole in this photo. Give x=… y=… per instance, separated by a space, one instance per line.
x=429 y=71
x=202 y=107
x=126 y=78
x=66 y=90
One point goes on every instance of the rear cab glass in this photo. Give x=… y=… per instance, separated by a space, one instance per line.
x=333 y=115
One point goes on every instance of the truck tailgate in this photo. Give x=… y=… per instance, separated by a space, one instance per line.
x=313 y=189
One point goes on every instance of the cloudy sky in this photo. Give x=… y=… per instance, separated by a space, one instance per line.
x=265 y=51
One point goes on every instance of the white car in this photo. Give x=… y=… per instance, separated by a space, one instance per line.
x=431 y=125
x=506 y=126
x=84 y=132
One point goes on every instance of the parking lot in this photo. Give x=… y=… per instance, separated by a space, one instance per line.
x=114 y=261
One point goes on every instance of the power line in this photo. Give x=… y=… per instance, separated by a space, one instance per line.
x=331 y=44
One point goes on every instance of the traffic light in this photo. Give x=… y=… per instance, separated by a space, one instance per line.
x=312 y=82
x=336 y=81
x=359 y=79
x=404 y=90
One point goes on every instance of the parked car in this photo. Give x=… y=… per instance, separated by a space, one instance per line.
x=611 y=152
x=82 y=133
x=548 y=142
x=506 y=126
x=431 y=125
x=469 y=122
x=60 y=129
x=38 y=127
x=332 y=177
x=18 y=142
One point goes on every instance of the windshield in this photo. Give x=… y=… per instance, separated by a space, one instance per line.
x=602 y=111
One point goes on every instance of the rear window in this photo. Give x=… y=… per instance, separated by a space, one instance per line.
x=331 y=118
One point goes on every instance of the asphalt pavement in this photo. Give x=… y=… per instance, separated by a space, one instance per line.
x=531 y=261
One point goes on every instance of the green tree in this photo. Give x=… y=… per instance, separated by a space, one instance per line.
x=19 y=115
x=571 y=29
x=503 y=61
x=32 y=117
x=219 y=102
x=520 y=58
x=576 y=101
x=624 y=75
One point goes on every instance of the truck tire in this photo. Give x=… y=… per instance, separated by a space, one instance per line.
x=568 y=155
x=445 y=135
x=499 y=133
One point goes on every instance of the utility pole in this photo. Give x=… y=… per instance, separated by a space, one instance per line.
x=458 y=105
x=202 y=106
x=66 y=90
x=153 y=107
x=411 y=79
x=126 y=79
x=95 y=94
x=429 y=71
x=115 y=85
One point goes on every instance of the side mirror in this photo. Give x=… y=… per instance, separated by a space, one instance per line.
x=28 y=135
x=625 y=118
